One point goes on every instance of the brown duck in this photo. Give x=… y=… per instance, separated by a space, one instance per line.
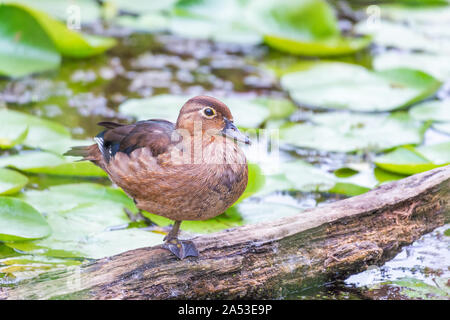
x=191 y=170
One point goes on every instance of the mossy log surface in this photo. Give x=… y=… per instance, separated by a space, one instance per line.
x=263 y=260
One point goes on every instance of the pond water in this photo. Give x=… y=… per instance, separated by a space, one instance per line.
x=84 y=92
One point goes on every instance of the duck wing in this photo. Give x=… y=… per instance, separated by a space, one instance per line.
x=155 y=134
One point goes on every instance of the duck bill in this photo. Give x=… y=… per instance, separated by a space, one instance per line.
x=230 y=131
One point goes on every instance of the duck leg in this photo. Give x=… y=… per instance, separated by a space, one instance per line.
x=136 y=217
x=180 y=248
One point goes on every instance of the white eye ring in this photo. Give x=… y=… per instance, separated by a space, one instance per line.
x=208 y=112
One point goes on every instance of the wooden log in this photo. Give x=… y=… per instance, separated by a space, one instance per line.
x=266 y=259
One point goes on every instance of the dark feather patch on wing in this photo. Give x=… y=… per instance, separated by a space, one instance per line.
x=153 y=134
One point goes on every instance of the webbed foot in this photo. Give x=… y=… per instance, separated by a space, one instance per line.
x=181 y=248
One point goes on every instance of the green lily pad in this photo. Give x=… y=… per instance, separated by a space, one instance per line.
x=436 y=110
x=256 y=180
x=96 y=245
x=61 y=10
x=429 y=12
x=50 y=163
x=226 y=220
x=246 y=113
x=345 y=132
x=9 y=139
x=35 y=132
x=20 y=221
x=301 y=176
x=364 y=176
x=307 y=28
x=11 y=181
x=335 y=85
x=418 y=289
x=149 y=22
x=19 y=268
x=328 y=47
x=442 y=126
x=26 y=46
x=408 y=37
x=437 y=153
x=69 y=43
x=259 y=211
x=408 y=160
x=434 y=64
x=81 y=217
x=200 y=19
x=383 y=176
x=233 y=32
x=144 y=6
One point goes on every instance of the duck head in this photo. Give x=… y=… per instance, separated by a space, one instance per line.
x=212 y=116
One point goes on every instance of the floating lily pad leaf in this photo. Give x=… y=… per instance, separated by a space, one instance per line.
x=434 y=64
x=232 y=32
x=72 y=196
x=163 y=106
x=97 y=245
x=437 y=110
x=275 y=182
x=247 y=113
x=256 y=180
x=430 y=12
x=67 y=42
x=355 y=179
x=18 y=268
x=345 y=172
x=302 y=176
x=345 y=132
x=50 y=163
x=407 y=37
x=63 y=10
x=404 y=161
x=442 y=126
x=279 y=108
x=143 y=6
x=408 y=160
x=149 y=22
x=40 y=131
x=35 y=132
x=334 y=85
x=226 y=220
x=200 y=19
x=11 y=181
x=70 y=43
x=81 y=216
x=10 y=139
x=348 y=189
x=418 y=289
x=307 y=28
x=25 y=46
x=305 y=177
x=383 y=176
x=20 y=221
x=437 y=153
x=259 y=211
x=328 y=47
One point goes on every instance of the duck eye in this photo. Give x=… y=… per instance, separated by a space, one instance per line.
x=209 y=112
